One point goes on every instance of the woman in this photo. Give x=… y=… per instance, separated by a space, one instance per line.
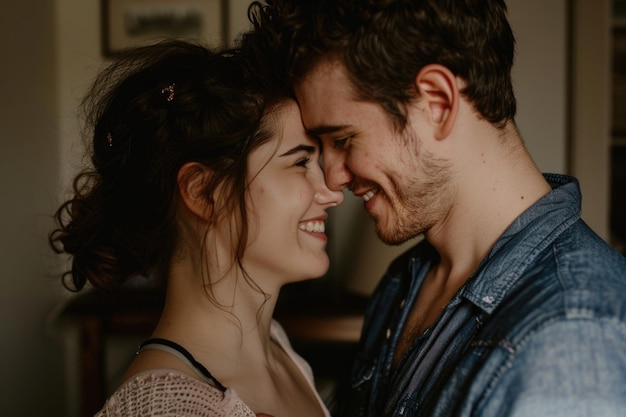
x=203 y=177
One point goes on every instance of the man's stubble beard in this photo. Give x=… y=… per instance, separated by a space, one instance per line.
x=420 y=198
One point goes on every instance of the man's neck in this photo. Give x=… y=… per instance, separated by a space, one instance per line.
x=496 y=182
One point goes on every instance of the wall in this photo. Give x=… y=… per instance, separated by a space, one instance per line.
x=31 y=353
x=591 y=109
x=540 y=78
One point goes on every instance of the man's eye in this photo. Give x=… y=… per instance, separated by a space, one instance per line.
x=303 y=162
x=341 y=143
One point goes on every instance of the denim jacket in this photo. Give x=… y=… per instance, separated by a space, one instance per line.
x=538 y=330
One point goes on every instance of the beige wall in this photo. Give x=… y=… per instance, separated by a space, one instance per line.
x=591 y=109
x=30 y=354
x=539 y=77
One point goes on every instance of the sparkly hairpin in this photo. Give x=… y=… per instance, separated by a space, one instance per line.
x=169 y=89
x=109 y=139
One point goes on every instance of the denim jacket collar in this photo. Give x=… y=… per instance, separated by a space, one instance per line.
x=527 y=236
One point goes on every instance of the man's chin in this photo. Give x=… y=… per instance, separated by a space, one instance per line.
x=391 y=236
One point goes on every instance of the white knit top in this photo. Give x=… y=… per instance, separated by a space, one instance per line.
x=171 y=393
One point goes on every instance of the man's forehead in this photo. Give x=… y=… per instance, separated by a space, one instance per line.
x=327 y=73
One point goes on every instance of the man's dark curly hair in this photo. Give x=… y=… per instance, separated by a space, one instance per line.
x=385 y=43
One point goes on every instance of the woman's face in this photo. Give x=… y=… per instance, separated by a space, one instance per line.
x=287 y=205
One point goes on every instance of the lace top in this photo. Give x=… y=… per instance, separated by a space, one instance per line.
x=171 y=393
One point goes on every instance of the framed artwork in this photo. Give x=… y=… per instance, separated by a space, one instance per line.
x=128 y=23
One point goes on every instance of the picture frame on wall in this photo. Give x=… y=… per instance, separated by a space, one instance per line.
x=129 y=23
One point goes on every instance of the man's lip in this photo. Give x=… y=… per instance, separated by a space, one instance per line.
x=369 y=195
x=366 y=194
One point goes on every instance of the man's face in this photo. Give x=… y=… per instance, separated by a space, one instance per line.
x=399 y=180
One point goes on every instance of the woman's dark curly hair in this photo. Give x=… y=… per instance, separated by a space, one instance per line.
x=385 y=43
x=147 y=114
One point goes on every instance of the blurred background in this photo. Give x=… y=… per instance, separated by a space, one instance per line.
x=569 y=76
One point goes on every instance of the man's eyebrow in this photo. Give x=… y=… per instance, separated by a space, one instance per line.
x=300 y=148
x=325 y=129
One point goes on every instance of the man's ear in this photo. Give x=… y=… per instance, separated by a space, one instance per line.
x=438 y=88
x=192 y=179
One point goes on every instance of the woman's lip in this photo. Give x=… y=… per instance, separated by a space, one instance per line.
x=314 y=227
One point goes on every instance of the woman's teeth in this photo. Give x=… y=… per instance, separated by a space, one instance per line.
x=313 y=226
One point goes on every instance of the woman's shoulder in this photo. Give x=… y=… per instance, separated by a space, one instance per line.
x=278 y=334
x=166 y=392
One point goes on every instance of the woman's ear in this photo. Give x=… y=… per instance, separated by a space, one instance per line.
x=192 y=180
x=438 y=87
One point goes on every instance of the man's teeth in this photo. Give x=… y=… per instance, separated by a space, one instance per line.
x=368 y=195
x=317 y=226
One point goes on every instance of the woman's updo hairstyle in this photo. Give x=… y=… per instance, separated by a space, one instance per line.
x=148 y=113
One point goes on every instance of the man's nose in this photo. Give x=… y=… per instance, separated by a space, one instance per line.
x=336 y=173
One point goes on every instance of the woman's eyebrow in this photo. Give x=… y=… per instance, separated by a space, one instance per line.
x=300 y=148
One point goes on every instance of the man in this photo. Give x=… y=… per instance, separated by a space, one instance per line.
x=511 y=305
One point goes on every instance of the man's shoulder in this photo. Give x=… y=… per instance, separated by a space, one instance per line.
x=577 y=275
x=584 y=261
x=580 y=238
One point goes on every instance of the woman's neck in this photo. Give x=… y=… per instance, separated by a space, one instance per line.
x=226 y=327
x=231 y=338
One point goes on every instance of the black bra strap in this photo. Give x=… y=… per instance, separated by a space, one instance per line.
x=197 y=365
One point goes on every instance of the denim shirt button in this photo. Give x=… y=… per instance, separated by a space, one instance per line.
x=488 y=299
x=388 y=334
x=402 y=303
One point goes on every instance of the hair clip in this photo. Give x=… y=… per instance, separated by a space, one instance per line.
x=169 y=89
x=109 y=139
